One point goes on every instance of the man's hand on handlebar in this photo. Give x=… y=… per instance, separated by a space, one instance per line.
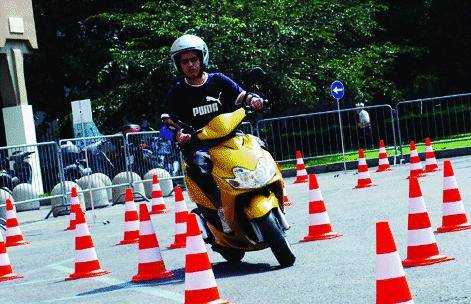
x=256 y=103
x=183 y=138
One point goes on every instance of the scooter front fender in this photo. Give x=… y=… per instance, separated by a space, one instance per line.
x=259 y=205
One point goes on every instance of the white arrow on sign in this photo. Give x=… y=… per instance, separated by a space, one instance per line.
x=337 y=90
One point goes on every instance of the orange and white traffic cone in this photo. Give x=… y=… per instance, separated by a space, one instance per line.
x=422 y=246
x=13 y=233
x=319 y=222
x=74 y=202
x=430 y=160
x=391 y=282
x=131 y=220
x=151 y=265
x=86 y=260
x=181 y=212
x=364 y=179
x=383 y=162
x=6 y=271
x=200 y=284
x=454 y=216
x=158 y=203
x=415 y=164
x=301 y=173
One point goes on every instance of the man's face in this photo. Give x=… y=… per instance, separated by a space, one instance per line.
x=190 y=64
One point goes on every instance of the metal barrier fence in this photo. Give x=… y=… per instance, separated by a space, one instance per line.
x=247 y=128
x=318 y=134
x=446 y=118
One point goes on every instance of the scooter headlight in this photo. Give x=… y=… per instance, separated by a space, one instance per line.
x=248 y=179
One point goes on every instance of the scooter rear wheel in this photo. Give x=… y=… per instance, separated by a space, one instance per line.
x=276 y=239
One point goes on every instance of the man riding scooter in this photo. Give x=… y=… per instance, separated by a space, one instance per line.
x=198 y=98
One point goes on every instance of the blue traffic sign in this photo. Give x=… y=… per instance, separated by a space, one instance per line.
x=337 y=89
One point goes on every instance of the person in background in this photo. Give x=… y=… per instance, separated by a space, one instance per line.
x=365 y=134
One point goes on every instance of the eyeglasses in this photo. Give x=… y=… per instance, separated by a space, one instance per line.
x=192 y=60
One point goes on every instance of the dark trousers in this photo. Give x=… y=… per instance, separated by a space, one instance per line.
x=365 y=137
x=199 y=168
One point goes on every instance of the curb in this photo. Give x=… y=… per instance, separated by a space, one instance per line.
x=353 y=165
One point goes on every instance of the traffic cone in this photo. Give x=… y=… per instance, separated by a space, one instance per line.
x=86 y=260
x=158 y=203
x=301 y=173
x=383 y=162
x=200 y=284
x=286 y=201
x=415 y=164
x=74 y=201
x=430 y=160
x=364 y=179
x=391 y=282
x=151 y=265
x=422 y=247
x=13 y=233
x=319 y=222
x=181 y=213
x=131 y=220
x=454 y=216
x=6 y=271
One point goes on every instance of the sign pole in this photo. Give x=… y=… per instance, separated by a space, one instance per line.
x=341 y=138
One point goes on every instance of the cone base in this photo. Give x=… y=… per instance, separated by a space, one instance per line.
x=427 y=261
x=127 y=242
x=288 y=204
x=151 y=276
x=19 y=243
x=383 y=169
x=69 y=228
x=176 y=246
x=430 y=170
x=81 y=275
x=300 y=180
x=325 y=236
x=11 y=276
x=444 y=229
x=365 y=186
x=417 y=176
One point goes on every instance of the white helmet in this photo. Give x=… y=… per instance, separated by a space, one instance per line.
x=189 y=43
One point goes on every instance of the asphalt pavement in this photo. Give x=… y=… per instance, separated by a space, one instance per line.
x=340 y=270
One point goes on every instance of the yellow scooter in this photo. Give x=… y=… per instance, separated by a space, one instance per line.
x=251 y=189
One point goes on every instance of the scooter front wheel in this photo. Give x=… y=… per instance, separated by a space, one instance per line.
x=276 y=239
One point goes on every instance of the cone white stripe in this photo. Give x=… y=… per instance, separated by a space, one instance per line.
x=130 y=206
x=361 y=161
x=382 y=150
x=180 y=228
x=10 y=214
x=416 y=166
x=453 y=208
x=4 y=260
x=413 y=153
x=319 y=218
x=131 y=226
x=417 y=205
x=302 y=172
x=82 y=230
x=430 y=161
x=72 y=216
x=180 y=207
x=200 y=280
x=146 y=228
x=428 y=149
x=315 y=195
x=449 y=182
x=388 y=266
x=11 y=231
x=299 y=161
x=383 y=161
x=149 y=255
x=420 y=237
x=85 y=255
x=155 y=187
x=74 y=200
x=195 y=244
x=363 y=175
x=158 y=201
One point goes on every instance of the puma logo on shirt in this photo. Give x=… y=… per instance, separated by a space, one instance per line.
x=206 y=109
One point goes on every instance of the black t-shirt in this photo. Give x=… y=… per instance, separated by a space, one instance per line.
x=197 y=105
